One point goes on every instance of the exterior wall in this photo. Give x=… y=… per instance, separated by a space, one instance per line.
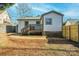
x=56 y=23
x=2 y=28
x=1 y=20
x=21 y=24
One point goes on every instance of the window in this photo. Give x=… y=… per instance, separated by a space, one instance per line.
x=37 y=22
x=26 y=23
x=48 y=21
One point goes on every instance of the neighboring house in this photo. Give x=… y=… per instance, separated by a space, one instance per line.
x=50 y=22
x=4 y=21
x=71 y=22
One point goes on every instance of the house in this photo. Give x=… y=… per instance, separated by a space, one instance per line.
x=49 y=23
x=71 y=22
x=5 y=21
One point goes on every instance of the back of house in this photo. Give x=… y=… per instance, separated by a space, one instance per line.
x=51 y=23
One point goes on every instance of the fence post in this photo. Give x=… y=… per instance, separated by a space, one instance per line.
x=78 y=33
x=69 y=32
x=65 y=32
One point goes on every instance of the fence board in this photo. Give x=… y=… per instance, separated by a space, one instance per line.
x=71 y=32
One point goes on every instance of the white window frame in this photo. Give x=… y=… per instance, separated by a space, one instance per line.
x=48 y=21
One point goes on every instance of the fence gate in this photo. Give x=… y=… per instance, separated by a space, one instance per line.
x=10 y=29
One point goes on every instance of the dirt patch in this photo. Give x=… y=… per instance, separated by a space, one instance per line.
x=24 y=41
x=22 y=45
x=38 y=52
x=3 y=39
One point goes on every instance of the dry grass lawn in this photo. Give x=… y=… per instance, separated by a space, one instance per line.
x=34 y=46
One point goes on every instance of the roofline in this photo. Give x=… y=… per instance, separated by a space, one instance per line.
x=53 y=12
x=27 y=19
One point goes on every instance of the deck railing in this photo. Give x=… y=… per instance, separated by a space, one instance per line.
x=32 y=28
x=36 y=26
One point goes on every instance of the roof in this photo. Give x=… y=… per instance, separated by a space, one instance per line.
x=29 y=18
x=53 y=12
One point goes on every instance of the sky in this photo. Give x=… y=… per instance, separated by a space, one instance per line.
x=70 y=10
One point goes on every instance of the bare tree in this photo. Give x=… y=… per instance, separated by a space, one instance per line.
x=22 y=9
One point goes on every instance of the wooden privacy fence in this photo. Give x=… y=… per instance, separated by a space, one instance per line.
x=71 y=32
x=10 y=29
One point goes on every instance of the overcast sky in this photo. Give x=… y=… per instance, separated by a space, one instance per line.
x=69 y=10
